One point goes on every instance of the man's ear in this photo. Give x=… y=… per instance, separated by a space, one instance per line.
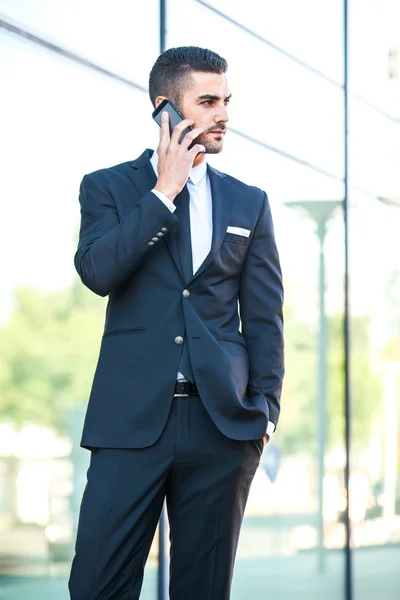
x=159 y=99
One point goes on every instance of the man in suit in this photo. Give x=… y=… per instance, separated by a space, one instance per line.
x=187 y=386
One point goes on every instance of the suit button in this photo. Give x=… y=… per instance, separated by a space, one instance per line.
x=179 y=340
x=159 y=234
x=186 y=293
x=151 y=244
x=154 y=239
x=164 y=229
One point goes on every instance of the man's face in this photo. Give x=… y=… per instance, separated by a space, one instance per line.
x=205 y=101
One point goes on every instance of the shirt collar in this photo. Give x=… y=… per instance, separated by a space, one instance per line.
x=196 y=173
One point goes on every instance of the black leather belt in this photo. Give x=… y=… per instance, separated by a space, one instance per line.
x=185 y=388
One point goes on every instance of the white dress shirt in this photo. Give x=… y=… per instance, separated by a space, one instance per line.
x=201 y=225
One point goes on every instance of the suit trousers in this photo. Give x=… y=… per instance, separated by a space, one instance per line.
x=205 y=478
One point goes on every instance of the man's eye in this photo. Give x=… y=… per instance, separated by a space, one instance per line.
x=206 y=102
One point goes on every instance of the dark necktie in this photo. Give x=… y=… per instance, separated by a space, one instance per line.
x=184 y=243
x=183 y=238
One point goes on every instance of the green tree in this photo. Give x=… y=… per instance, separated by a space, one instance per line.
x=48 y=353
x=365 y=384
x=297 y=421
x=298 y=424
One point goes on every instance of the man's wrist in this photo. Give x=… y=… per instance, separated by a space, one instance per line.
x=270 y=429
x=169 y=192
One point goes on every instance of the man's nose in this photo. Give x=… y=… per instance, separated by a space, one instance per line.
x=221 y=115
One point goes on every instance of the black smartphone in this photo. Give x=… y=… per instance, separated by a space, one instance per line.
x=175 y=117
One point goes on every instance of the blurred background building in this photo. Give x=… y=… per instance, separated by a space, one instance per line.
x=74 y=99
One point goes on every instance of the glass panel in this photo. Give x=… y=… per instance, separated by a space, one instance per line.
x=62 y=122
x=283 y=179
x=274 y=100
x=375 y=301
x=372 y=72
x=117 y=36
x=292 y=26
x=60 y=107
x=375 y=164
x=375 y=369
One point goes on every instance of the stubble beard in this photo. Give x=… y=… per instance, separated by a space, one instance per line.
x=212 y=146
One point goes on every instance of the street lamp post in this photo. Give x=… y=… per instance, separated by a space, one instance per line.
x=320 y=212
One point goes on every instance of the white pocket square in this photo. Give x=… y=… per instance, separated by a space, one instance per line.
x=239 y=231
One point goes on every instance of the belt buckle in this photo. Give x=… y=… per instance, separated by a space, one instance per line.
x=181 y=395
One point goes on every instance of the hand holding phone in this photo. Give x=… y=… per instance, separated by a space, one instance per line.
x=176 y=151
x=175 y=117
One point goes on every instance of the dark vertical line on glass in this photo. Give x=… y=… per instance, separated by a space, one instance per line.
x=162 y=579
x=347 y=395
x=163 y=25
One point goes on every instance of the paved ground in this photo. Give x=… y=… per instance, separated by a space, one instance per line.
x=377 y=574
x=377 y=577
x=26 y=573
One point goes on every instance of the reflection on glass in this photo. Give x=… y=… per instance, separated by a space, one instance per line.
x=64 y=121
x=112 y=37
x=375 y=333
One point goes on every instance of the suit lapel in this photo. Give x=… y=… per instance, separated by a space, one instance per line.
x=222 y=203
x=223 y=197
x=143 y=176
x=144 y=179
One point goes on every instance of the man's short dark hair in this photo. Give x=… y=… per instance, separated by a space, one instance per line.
x=171 y=72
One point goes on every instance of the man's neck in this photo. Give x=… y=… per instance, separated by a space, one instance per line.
x=199 y=159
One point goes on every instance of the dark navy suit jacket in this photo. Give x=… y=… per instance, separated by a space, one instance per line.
x=238 y=374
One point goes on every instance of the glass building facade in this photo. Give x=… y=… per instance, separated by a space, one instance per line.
x=74 y=99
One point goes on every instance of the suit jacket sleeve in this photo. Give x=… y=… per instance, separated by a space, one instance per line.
x=110 y=247
x=261 y=301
